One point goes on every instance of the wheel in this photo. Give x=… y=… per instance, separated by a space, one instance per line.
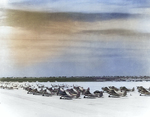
x=140 y=94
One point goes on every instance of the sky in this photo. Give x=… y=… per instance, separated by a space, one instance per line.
x=78 y=5
x=74 y=38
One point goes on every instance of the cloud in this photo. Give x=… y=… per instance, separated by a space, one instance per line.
x=80 y=5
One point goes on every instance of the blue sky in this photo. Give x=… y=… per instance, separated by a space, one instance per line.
x=80 y=5
x=97 y=47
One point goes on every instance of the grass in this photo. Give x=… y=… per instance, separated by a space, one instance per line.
x=46 y=79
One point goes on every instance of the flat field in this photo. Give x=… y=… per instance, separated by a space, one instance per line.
x=17 y=103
